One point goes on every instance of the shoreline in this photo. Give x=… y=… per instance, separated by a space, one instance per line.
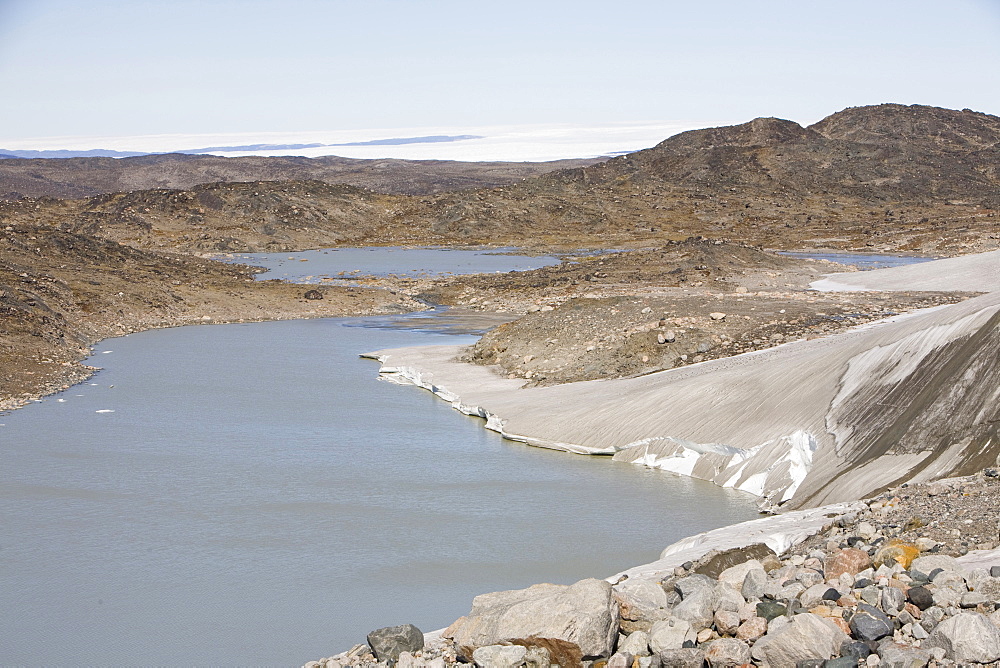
x=773 y=463
x=891 y=353
x=340 y=303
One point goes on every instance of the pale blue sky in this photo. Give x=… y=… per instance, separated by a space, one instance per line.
x=124 y=67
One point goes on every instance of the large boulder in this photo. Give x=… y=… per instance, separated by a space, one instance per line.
x=727 y=652
x=966 y=637
x=697 y=608
x=641 y=602
x=929 y=563
x=670 y=634
x=805 y=636
x=572 y=622
x=500 y=656
x=389 y=642
x=870 y=624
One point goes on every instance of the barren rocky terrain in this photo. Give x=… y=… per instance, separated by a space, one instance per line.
x=622 y=314
x=84 y=177
x=875 y=584
x=888 y=178
x=60 y=292
x=696 y=211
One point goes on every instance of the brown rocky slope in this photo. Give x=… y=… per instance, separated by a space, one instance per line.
x=84 y=177
x=60 y=292
x=889 y=177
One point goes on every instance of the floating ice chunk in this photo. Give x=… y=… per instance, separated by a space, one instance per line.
x=105 y=410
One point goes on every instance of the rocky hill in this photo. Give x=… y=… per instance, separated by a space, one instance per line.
x=61 y=291
x=890 y=177
x=84 y=177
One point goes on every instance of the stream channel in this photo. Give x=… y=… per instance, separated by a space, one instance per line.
x=250 y=494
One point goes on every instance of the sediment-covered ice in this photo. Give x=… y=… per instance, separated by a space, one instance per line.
x=803 y=424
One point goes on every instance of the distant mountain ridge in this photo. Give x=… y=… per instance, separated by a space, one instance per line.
x=87 y=176
x=888 y=177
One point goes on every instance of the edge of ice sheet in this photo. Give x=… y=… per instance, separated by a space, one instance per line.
x=407 y=375
x=771 y=471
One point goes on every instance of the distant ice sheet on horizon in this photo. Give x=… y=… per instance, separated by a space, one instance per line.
x=528 y=143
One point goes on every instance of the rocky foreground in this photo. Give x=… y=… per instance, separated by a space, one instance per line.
x=908 y=578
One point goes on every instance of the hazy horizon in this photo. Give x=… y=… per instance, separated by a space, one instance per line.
x=138 y=68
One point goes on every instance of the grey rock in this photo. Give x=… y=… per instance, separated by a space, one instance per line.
x=968 y=636
x=688 y=657
x=977 y=578
x=809 y=577
x=995 y=571
x=870 y=624
x=988 y=587
x=727 y=598
x=690 y=584
x=670 y=634
x=810 y=663
x=929 y=562
x=736 y=575
x=894 y=655
x=753 y=584
x=500 y=656
x=840 y=662
x=389 y=642
x=791 y=591
x=620 y=660
x=920 y=597
x=805 y=636
x=931 y=617
x=726 y=622
x=636 y=644
x=893 y=600
x=772 y=589
x=813 y=596
x=641 y=603
x=697 y=608
x=971 y=599
x=871 y=595
x=770 y=610
x=946 y=597
x=537 y=657
x=855 y=650
x=951 y=580
x=727 y=652
x=583 y=614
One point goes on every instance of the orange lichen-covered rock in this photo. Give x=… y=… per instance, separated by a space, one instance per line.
x=898 y=551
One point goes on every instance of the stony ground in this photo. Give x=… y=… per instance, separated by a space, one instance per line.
x=625 y=314
x=879 y=586
x=60 y=292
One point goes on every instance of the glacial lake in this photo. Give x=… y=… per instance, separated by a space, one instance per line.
x=863 y=261
x=251 y=494
x=346 y=263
